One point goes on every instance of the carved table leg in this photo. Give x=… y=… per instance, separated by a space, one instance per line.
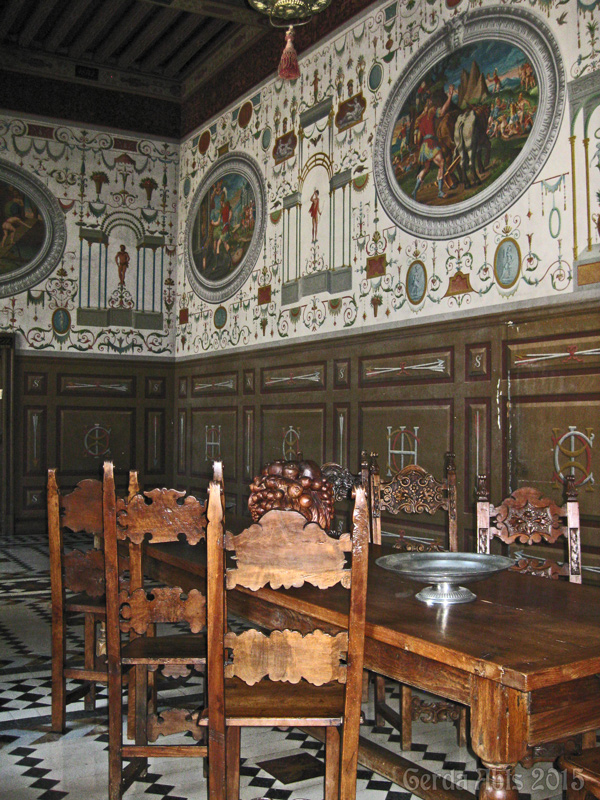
x=499 y=783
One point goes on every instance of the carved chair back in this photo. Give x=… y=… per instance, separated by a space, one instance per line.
x=413 y=490
x=343 y=482
x=156 y=517
x=280 y=551
x=77 y=588
x=292 y=486
x=527 y=518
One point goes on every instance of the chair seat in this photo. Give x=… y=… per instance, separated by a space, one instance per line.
x=176 y=649
x=84 y=604
x=277 y=703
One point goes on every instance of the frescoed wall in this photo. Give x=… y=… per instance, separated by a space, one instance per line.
x=112 y=288
x=518 y=134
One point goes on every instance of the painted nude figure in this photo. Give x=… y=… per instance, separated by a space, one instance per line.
x=122 y=261
x=315 y=212
x=9 y=227
x=431 y=152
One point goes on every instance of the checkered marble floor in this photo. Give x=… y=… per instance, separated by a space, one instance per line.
x=38 y=765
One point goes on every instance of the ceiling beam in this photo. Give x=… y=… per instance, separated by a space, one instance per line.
x=150 y=33
x=129 y=23
x=70 y=16
x=212 y=29
x=218 y=9
x=97 y=25
x=181 y=32
x=35 y=22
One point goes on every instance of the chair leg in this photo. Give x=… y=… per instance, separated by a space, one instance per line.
x=406 y=717
x=59 y=688
x=379 y=699
x=461 y=728
x=89 y=635
x=332 y=763
x=232 y=761
x=365 y=687
x=115 y=738
x=140 y=677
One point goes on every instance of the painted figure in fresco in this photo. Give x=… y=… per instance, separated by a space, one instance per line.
x=9 y=228
x=495 y=79
x=430 y=151
x=122 y=260
x=315 y=213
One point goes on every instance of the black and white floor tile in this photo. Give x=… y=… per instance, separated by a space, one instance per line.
x=38 y=765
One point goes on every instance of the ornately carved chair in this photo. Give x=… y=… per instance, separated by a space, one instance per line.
x=413 y=490
x=526 y=518
x=292 y=486
x=290 y=677
x=158 y=517
x=343 y=482
x=77 y=590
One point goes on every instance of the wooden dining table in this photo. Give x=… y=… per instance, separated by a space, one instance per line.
x=524 y=656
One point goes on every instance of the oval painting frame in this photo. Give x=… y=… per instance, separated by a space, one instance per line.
x=39 y=229
x=225 y=227
x=518 y=29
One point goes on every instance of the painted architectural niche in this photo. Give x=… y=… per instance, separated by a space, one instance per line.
x=225 y=228
x=316 y=218
x=33 y=233
x=469 y=123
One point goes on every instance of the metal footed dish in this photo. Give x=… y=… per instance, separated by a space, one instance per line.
x=446 y=571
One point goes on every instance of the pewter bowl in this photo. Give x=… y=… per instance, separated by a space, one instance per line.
x=446 y=571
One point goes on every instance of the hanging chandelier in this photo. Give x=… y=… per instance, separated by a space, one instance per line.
x=289 y=14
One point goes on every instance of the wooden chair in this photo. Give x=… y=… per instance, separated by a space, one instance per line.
x=157 y=517
x=77 y=589
x=285 y=678
x=413 y=490
x=583 y=774
x=527 y=518
x=343 y=482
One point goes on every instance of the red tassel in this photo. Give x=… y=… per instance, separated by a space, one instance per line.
x=288 y=66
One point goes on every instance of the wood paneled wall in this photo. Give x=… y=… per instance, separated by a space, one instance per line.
x=513 y=395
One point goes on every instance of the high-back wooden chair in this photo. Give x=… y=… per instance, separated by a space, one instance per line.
x=156 y=518
x=343 y=482
x=527 y=518
x=285 y=678
x=77 y=589
x=410 y=491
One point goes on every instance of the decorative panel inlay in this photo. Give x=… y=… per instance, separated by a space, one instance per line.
x=556 y=356
x=35 y=441
x=214 y=438
x=182 y=441
x=98 y=386
x=249 y=471
x=293 y=378
x=87 y=436
x=478 y=361
x=477 y=445
x=155 y=441
x=156 y=388
x=35 y=383
x=427 y=366
x=222 y=383
x=287 y=431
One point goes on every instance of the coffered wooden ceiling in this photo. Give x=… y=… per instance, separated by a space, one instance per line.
x=158 y=48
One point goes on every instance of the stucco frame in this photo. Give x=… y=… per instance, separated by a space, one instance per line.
x=218 y=291
x=55 y=237
x=516 y=26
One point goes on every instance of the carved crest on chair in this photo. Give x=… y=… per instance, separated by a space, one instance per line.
x=341 y=479
x=137 y=517
x=292 y=485
x=414 y=491
x=528 y=518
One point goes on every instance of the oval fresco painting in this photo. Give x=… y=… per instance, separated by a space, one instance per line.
x=32 y=230
x=452 y=151
x=225 y=228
